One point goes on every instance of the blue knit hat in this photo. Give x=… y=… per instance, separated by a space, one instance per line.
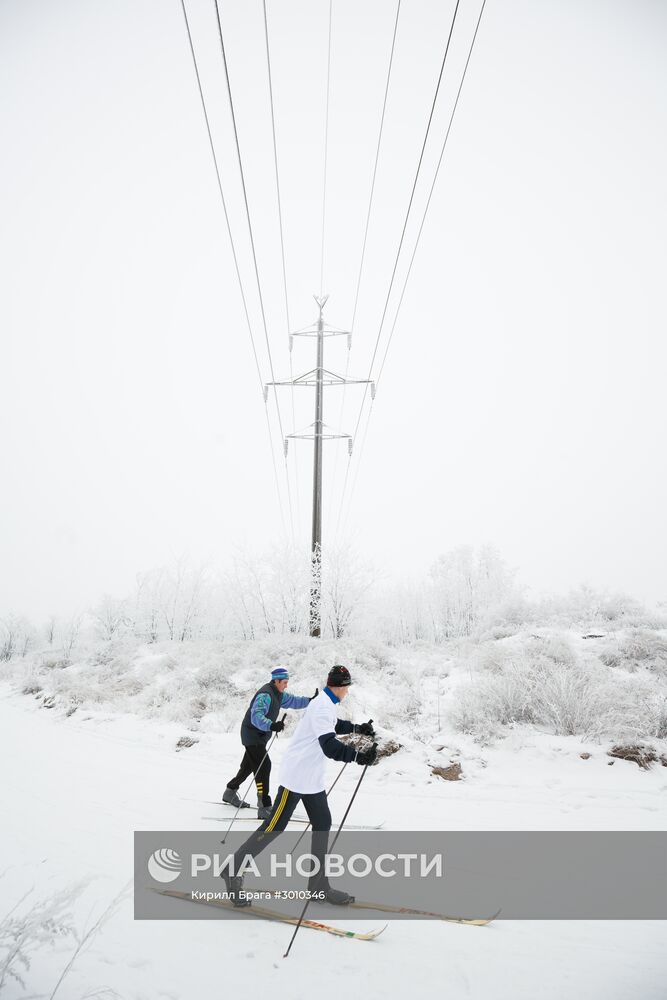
x=279 y=674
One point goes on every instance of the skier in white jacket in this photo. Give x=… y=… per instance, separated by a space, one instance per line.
x=302 y=778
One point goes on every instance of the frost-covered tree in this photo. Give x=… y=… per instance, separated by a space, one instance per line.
x=110 y=617
x=69 y=632
x=267 y=593
x=50 y=629
x=467 y=585
x=170 y=603
x=289 y=570
x=346 y=582
x=147 y=605
x=17 y=637
x=8 y=637
x=401 y=613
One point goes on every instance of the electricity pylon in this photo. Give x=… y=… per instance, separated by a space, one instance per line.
x=318 y=377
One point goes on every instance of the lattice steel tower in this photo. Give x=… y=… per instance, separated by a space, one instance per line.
x=318 y=377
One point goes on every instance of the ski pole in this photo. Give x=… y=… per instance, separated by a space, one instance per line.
x=306 y=904
x=305 y=831
x=328 y=794
x=354 y=795
x=250 y=783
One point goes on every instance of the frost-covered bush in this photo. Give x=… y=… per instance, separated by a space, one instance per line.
x=586 y=607
x=206 y=685
x=493 y=657
x=505 y=619
x=549 y=679
x=30 y=926
x=547 y=685
x=637 y=649
x=658 y=715
x=34 y=924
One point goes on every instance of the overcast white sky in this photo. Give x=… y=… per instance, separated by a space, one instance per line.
x=523 y=398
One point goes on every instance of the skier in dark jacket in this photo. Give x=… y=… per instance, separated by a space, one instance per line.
x=260 y=720
x=302 y=778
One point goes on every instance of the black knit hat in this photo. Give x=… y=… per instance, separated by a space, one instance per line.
x=339 y=677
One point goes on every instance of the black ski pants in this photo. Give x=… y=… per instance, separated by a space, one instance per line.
x=317 y=810
x=255 y=761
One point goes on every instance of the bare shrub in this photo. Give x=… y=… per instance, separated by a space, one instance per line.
x=69 y=633
x=110 y=617
x=638 y=649
x=17 y=637
x=586 y=607
x=388 y=748
x=466 y=587
x=56 y=664
x=24 y=931
x=553 y=689
x=452 y=773
x=184 y=742
x=646 y=648
x=639 y=754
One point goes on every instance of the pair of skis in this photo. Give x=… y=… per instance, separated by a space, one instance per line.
x=316 y=925
x=293 y=819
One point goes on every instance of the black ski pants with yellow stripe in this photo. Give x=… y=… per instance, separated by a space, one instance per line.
x=255 y=761
x=317 y=810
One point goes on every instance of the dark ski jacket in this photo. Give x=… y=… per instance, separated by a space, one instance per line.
x=263 y=710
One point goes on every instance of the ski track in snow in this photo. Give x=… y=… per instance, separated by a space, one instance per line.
x=75 y=790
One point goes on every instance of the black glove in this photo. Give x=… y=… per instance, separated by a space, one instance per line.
x=317 y=691
x=277 y=727
x=366 y=757
x=365 y=728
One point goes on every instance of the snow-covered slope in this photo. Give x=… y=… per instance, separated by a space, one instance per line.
x=610 y=686
x=75 y=788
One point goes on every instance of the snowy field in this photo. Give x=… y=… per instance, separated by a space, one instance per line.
x=76 y=787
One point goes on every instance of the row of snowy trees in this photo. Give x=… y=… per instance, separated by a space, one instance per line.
x=463 y=590
x=466 y=592
x=256 y=596
x=270 y=594
x=19 y=636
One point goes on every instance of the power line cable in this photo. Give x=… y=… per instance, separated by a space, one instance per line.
x=430 y=194
x=412 y=192
x=326 y=151
x=402 y=238
x=252 y=246
x=414 y=252
x=234 y=255
x=375 y=165
x=365 y=239
x=282 y=249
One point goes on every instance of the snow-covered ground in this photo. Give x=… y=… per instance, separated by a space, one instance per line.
x=75 y=788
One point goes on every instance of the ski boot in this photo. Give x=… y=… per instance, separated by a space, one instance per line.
x=231 y=798
x=234 y=884
x=323 y=893
x=264 y=810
